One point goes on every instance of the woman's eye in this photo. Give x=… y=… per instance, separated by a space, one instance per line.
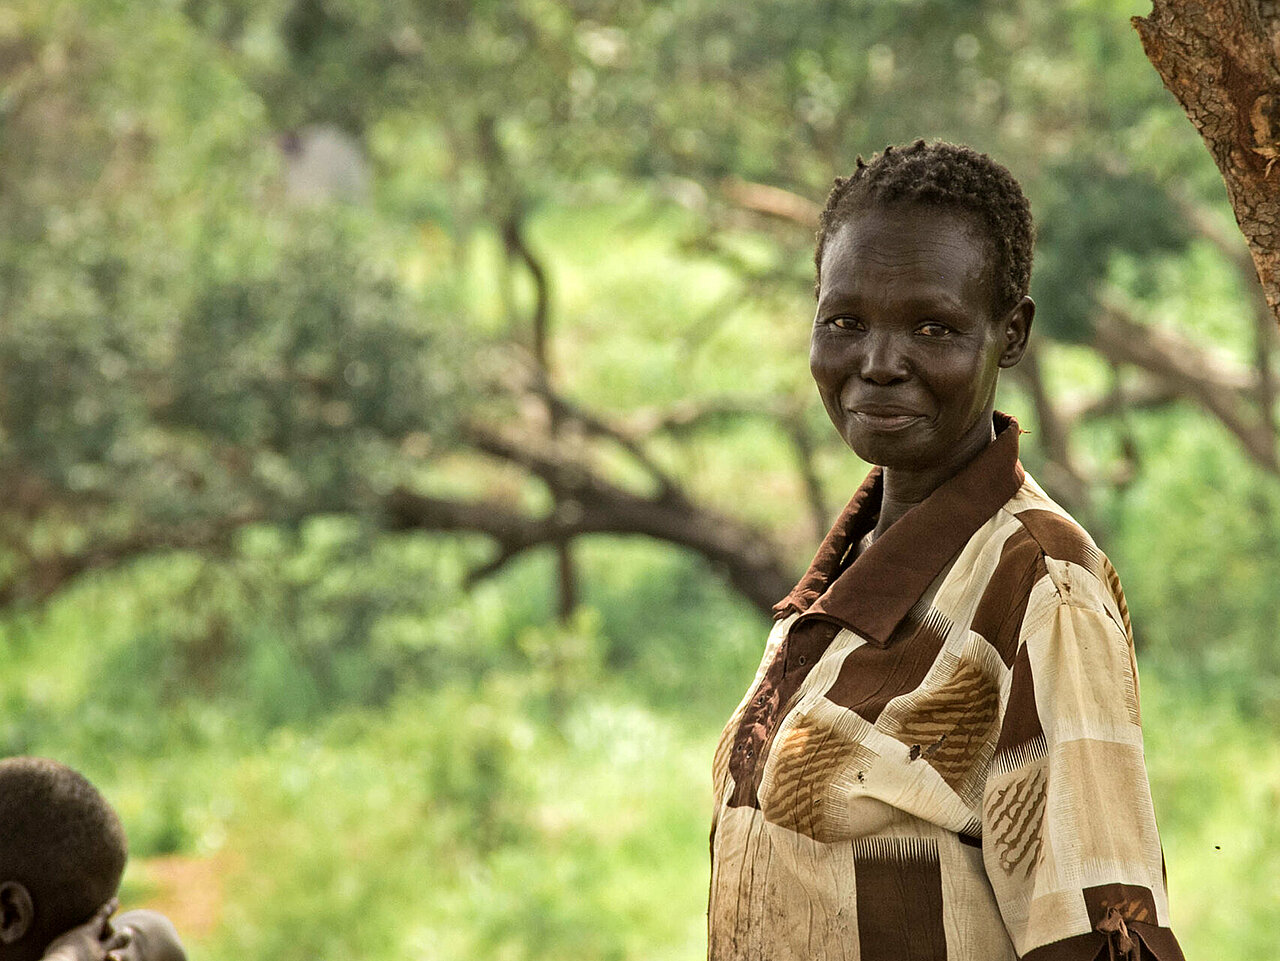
x=846 y=323
x=933 y=329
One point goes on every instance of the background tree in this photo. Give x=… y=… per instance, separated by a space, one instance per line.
x=413 y=397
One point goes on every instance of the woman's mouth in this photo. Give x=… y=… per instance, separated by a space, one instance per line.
x=885 y=420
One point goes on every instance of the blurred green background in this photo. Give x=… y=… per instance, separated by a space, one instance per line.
x=323 y=321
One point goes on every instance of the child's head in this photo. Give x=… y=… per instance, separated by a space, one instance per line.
x=62 y=852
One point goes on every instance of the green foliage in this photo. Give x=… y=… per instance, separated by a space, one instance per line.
x=504 y=807
x=375 y=757
x=312 y=378
x=185 y=354
x=1210 y=613
x=1093 y=216
x=545 y=798
x=1219 y=826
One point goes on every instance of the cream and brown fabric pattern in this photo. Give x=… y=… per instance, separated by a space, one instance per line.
x=941 y=754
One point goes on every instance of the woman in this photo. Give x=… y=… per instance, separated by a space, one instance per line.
x=940 y=756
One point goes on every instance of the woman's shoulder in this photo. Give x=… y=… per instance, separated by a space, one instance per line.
x=1043 y=536
x=1042 y=520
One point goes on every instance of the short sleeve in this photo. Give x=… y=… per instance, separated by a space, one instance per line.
x=1069 y=834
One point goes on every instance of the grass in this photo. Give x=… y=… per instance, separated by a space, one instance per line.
x=552 y=801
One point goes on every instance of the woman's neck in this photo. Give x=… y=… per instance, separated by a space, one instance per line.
x=904 y=488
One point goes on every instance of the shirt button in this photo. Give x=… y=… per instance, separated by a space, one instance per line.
x=802 y=660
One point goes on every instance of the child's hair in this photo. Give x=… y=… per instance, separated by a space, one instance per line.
x=59 y=838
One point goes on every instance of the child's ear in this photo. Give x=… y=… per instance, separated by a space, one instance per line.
x=16 y=912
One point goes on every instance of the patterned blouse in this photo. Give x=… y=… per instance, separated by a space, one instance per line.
x=941 y=754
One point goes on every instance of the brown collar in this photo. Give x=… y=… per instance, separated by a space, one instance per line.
x=875 y=592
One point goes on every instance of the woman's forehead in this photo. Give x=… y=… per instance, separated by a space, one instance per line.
x=912 y=245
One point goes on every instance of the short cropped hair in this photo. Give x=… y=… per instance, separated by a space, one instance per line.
x=61 y=839
x=948 y=176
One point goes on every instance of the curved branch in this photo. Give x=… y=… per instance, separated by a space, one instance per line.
x=1147 y=393
x=1221 y=388
x=748 y=559
x=43 y=575
x=1228 y=244
x=514 y=240
x=565 y=411
x=693 y=415
x=820 y=515
x=1064 y=476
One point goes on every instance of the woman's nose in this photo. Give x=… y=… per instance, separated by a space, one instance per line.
x=882 y=360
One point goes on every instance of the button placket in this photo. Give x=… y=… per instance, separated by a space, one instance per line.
x=796 y=656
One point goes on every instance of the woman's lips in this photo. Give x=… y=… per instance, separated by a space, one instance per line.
x=885 y=420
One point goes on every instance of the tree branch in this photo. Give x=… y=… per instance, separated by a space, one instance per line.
x=1146 y=394
x=43 y=575
x=693 y=415
x=566 y=411
x=1221 y=388
x=514 y=240
x=749 y=560
x=1264 y=328
x=820 y=516
x=1064 y=477
x=772 y=202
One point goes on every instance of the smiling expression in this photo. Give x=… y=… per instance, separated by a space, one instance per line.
x=907 y=346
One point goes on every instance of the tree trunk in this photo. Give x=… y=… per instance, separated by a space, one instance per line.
x=1222 y=61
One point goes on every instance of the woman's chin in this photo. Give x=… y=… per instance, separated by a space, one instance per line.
x=885 y=450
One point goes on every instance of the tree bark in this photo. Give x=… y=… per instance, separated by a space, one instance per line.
x=1222 y=61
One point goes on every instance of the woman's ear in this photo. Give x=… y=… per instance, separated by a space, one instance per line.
x=17 y=912
x=1017 y=331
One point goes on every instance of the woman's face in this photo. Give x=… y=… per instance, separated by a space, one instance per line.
x=905 y=348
